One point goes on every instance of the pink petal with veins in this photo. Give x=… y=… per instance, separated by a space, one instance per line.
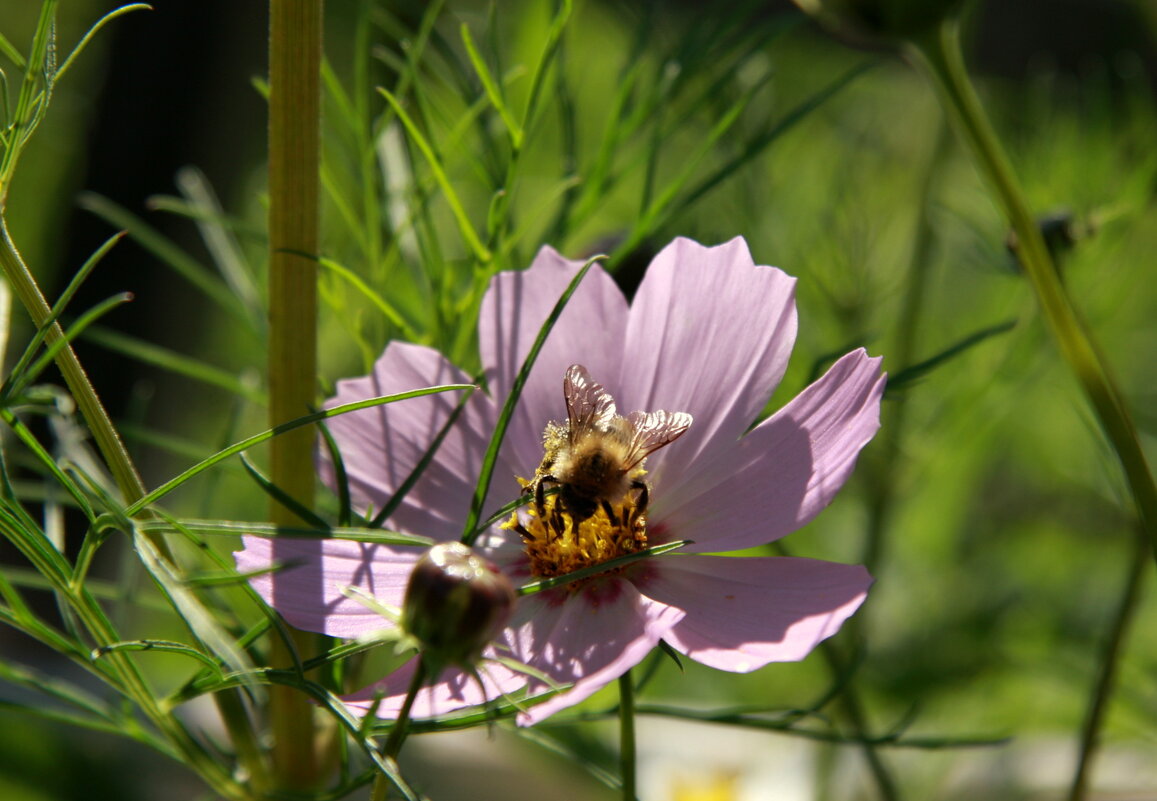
x=743 y=612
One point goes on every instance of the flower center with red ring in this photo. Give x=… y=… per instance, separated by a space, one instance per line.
x=555 y=545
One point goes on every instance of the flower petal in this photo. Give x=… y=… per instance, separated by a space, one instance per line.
x=743 y=612
x=308 y=590
x=783 y=472
x=454 y=689
x=709 y=334
x=382 y=444
x=589 y=332
x=591 y=639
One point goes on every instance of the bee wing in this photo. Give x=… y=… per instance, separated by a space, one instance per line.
x=588 y=404
x=653 y=430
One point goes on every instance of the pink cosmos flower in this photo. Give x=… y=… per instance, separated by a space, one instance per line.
x=708 y=334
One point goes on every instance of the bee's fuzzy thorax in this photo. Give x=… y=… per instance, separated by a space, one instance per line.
x=596 y=456
x=596 y=465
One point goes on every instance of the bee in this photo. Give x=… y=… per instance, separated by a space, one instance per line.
x=594 y=457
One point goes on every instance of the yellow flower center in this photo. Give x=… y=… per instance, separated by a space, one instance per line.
x=555 y=545
x=717 y=786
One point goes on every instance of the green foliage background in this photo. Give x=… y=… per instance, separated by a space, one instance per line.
x=1005 y=535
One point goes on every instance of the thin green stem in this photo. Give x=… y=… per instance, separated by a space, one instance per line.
x=132 y=489
x=250 y=755
x=295 y=48
x=883 y=476
x=381 y=788
x=627 y=750
x=116 y=666
x=939 y=53
x=854 y=712
x=107 y=439
x=1107 y=672
x=844 y=692
x=398 y=733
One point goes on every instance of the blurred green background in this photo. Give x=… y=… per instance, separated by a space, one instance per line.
x=1004 y=535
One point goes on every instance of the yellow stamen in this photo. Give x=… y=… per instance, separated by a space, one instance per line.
x=555 y=546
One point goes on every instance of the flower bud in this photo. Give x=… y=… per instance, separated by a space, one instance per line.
x=1061 y=232
x=456 y=603
x=873 y=23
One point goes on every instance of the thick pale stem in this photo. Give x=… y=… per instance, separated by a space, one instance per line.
x=295 y=47
x=939 y=52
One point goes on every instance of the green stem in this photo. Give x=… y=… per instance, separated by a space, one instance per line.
x=295 y=48
x=1107 y=673
x=122 y=673
x=627 y=751
x=250 y=754
x=398 y=733
x=381 y=788
x=132 y=488
x=939 y=53
x=854 y=712
x=886 y=466
x=111 y=447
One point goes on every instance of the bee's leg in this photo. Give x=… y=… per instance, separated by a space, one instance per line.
x=540 y=496
x=611 y=516
x=575 y=521
x=640 y=502
x=522 y=532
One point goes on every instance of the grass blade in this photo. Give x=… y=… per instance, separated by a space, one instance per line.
x=174 y=362
x=909 y=375
x=281 y=496
x=204 y=280
x=219 y=239
x=100 y=23
x=268 y=434
x=493 y=91
x=481 y=252
x=271 y=531
x=470 y=533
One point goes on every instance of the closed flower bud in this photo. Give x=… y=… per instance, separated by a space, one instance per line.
x=456 y=602
x=1061 y=232
x=873 y=23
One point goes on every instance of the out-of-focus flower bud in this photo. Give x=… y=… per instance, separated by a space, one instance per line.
x=456 y=603
x=1061 y=231
x=875 y=23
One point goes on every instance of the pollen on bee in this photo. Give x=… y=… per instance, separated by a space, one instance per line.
x=593 y=463
x=556 y=545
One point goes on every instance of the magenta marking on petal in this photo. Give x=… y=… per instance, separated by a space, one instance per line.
x=589 y=645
